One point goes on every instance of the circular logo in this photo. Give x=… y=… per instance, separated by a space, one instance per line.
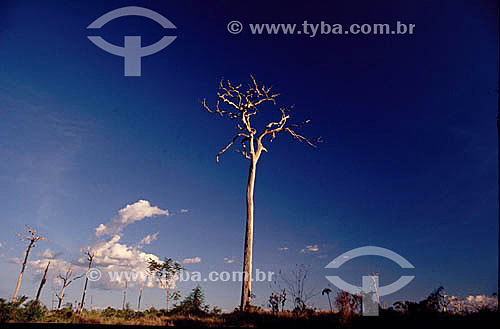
x=94 y=274
x=234 y=27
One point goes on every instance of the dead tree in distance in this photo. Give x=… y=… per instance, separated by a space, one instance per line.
x=140 y=297
x=67 y=279
x=90 y=257
x=241 y=105
x=32 y=238
x=42 y=283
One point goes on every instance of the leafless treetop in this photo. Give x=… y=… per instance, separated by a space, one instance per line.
x=90 y=255
x=241 y=104
x=33 y=237
x=67 y=277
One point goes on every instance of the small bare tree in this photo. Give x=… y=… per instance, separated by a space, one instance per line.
x=67 y=279
x=90 y=257
x=140 y=296
x=296 y=282
x=32 y=238
x=124 y=303
x=241 y=105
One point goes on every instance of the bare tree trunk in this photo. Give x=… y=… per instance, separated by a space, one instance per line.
x=42 y=283
x=85 y=287
x=242 y=106
x=20 y=278
x=246 y=290
x=140 y=296
x=60 y=297
x=167 y=298
x=125 y=295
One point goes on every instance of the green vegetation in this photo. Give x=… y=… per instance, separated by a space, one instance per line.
x=192 y=311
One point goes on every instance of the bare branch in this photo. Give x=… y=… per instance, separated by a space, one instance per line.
x=300 y=138
x=235 y=138
x=243 y=106
x=219 y=111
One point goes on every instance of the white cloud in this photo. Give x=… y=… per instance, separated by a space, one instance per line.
x=112 y=257
x=228 y=260
x=1 y=245
x=283 y=249
x=192 y=260
x=56 y=267
x=310 y=248
x=49 y=254
x=183 y=211
x=128 y=215
x=148 y=239
x=14 y=260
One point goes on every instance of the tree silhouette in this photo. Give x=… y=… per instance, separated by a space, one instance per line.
x=327 y=291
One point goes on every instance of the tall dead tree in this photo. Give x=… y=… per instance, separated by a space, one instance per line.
x=90 y=257
x=140 y=296
x=67 y=279
x=32 y=239
x=240 y=105
x=125 y=295
x=42 y=283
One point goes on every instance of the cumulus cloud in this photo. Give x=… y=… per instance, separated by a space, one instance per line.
x=128 y=215
x=116 y=261
x=283 y=249
x=56 y=267
x=148 y=239
x=228 y=260
x=310 y=248
x=192 y=260
x=112 y=257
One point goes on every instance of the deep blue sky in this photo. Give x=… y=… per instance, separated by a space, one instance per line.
x=408 y=162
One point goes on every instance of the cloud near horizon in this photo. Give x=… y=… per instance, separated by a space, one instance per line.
x=111 y=256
